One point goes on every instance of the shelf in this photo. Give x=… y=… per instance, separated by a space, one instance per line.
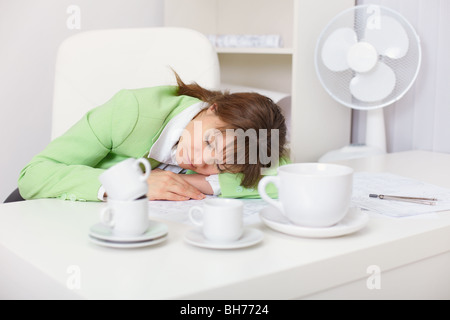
x=285 y=51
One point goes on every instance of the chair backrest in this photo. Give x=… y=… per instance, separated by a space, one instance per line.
x=92 y=66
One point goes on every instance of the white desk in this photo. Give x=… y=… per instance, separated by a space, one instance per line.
x=40 y=240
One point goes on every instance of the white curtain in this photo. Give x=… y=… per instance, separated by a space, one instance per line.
x=421 y=119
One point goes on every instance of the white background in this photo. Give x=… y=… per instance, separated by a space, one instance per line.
x=30 y=33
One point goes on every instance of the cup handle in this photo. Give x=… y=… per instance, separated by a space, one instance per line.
x=192 y=218
x=262 y=190
x=147 y=167
x=106 y=217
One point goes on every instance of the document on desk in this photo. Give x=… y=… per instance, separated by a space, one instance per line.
x=365 y=183
x=177 y=211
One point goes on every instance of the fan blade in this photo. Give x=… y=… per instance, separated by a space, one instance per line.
x=336 y=47
x=389 y=37
x=375 y=85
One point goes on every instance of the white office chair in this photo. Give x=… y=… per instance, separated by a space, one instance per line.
x=92 y=66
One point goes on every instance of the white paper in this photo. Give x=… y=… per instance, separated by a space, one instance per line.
x=365 y=183
x=246 y=40
x=276 y=96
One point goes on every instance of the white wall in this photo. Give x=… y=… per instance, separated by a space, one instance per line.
x=30 y=33
x=421 y=119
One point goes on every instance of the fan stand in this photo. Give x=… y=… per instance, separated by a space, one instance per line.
x=376 y=130
x=375 y=140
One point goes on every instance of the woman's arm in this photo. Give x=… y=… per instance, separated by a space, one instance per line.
x=166 y=185
x=199 y=182
x=66 y=168
x=230 y=184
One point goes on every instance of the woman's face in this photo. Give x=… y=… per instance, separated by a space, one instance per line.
x=198 y=143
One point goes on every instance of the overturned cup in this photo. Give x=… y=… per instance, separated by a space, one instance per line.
x=126 y=180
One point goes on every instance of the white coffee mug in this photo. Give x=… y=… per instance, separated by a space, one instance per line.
x=126 y=218
x=221 y=219
x=311 y=194
x=125 y=180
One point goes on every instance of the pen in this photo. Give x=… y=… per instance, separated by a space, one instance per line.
x=428 y=201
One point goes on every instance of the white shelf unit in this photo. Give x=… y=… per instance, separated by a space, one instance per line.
x=318 y=123
x=286 y=51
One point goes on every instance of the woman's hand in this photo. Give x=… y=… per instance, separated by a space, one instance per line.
x=166 y=185
x=199 y=182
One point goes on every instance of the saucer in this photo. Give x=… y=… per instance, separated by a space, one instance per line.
x=102 y=232
x=127 y=245
x=352 y=222
x=249 y=238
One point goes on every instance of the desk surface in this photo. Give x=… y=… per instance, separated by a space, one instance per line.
x=44 y=244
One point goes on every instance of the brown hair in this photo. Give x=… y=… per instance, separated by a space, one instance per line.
x=246 y=110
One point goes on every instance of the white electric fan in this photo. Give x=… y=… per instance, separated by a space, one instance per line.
x=367 y=58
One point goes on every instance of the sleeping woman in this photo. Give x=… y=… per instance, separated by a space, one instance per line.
x=199 y=142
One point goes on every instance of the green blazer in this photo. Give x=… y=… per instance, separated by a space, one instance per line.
x=124 y=127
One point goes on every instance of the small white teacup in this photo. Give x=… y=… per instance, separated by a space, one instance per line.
x=125 y=180
x=126 y=218
x=311 y=194
x=222 y=219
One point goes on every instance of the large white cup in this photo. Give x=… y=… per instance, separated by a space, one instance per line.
x=126 y=218
x=311 y=194
x=222 y=219
x=125 y=180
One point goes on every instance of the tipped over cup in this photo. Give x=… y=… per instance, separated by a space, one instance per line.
x=126 y=180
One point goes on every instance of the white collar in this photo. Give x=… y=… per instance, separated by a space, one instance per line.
x=162 y=150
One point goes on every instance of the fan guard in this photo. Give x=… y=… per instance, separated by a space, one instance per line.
x=357 y=44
